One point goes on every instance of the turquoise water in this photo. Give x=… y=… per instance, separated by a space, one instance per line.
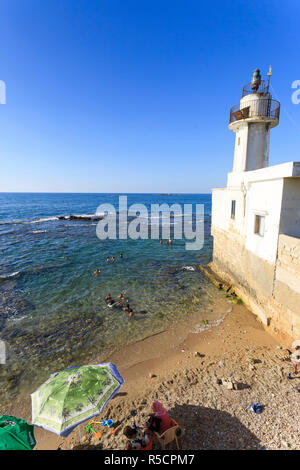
x=52 y=312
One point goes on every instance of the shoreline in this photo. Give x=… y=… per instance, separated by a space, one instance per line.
x=164 y=367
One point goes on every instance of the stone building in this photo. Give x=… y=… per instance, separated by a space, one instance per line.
x=256 y=218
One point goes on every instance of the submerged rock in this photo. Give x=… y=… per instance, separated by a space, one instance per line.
x=89 y=218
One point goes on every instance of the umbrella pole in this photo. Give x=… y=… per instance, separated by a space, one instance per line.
x=79 y=433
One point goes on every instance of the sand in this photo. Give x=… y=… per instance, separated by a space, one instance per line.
x=164 y=367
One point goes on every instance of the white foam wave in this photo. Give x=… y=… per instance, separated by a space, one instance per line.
x=8 y=276
x=42 y=219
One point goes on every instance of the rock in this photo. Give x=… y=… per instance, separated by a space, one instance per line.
x=95 y=441
x=251 y=360
x=284 y=354
x=151 y=375
x=229 y=384
x=197 y=354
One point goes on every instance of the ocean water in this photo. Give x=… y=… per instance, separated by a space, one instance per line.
x=52 y=309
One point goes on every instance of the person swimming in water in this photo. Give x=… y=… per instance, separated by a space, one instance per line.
x=97 y=272
x=121 y=255
x=126 y=308
x=113 y=259
x=108 y=259
x=131 y=314
x=108 y=298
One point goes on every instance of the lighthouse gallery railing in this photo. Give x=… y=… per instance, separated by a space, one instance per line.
x=262 y=107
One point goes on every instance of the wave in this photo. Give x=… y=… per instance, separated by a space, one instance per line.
x=43 y=219
x=9 y=276
x=39 y=231
x=188 y=268
x=25 y=222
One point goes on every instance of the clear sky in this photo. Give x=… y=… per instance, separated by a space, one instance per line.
x=134 y=95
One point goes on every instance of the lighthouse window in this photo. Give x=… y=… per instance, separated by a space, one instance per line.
x=259 y=227
x=233 y=203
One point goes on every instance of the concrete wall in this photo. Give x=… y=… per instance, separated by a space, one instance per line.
x=271 y=290
x=290 y=210
x=240 y=149
x=286 y=290
x=258 y=146
x=264 y=198
x=263 y=270
x=257 y=198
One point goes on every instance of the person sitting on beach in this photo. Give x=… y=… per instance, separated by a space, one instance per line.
x=295 y=357
x=136 y=439
x=159 y=421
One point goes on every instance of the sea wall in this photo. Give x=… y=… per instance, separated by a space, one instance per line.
x=286 y=288
x=271 y=290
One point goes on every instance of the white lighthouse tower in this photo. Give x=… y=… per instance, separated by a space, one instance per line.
x=252 y=120
x=256 y=218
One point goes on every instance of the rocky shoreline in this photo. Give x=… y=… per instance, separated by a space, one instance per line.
x=207 y=382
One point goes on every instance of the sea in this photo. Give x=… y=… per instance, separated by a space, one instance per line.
x=52 y=308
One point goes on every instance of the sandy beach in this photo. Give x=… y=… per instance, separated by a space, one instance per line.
x=191 y=370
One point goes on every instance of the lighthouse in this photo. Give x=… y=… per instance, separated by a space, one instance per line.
x=256 y=218
x=251 y=120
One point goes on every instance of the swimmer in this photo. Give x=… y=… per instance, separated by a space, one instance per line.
x=161 y=242
x=170 y=241
x=113 y=258
x=121 y=255
x=121 y=296
x=108 y=259
x=131 y=314
x=97 y=272
x=108 y=298
x=126 y=308
x=67 y=258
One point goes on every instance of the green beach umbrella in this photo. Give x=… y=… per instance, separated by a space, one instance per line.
x=72 y=396
x=15 y=434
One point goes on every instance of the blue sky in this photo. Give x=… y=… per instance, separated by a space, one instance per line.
x=134 y=96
